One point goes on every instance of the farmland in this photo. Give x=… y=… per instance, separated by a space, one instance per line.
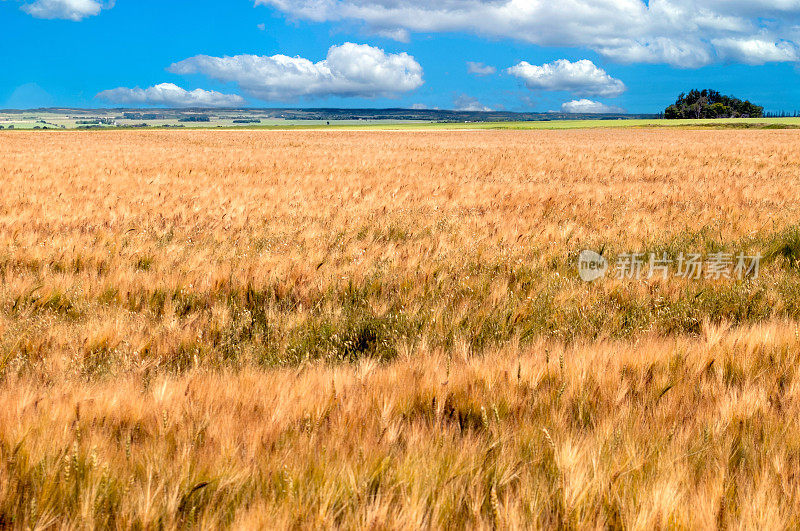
x=387 y=329
x=352 y=119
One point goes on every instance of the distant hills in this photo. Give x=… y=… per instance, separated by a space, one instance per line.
x=333 y=114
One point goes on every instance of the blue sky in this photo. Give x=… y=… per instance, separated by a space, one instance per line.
x=525 y=55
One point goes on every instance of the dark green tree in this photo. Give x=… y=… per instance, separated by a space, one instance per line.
x=711 y=104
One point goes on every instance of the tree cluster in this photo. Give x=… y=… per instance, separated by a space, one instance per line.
x=711 y=104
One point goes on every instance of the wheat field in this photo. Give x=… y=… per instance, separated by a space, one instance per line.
x=293 y=329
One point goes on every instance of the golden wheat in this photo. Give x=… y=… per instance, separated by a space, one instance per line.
x=386 y=329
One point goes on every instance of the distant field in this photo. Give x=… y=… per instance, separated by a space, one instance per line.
x=589 y=124
x=61 y=121
x=49 y=121
x=381 y=329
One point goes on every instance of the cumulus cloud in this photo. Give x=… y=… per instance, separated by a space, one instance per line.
x=480 y=69
x=353 y=70
x=468 y=103
x=756 y=51
x=676 y=52
x=170 y=95
x=685 y=33
x=66 y=9
x=584 y=106
x=581 y=77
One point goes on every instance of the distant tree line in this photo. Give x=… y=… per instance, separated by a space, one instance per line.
x=782 y=114
x=143 y=116
x=95 y=121
x=195 y=118
x=711 y=104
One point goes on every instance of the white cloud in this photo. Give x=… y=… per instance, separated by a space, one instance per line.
x=397 y=34
x=350 y=69
x=584 y=106
x=171 y=95
x=685 y=33
x=756 y=51
x=581 y=77
x=480 y=69
x=66 y=9
x=468 y=103
x=685 y=54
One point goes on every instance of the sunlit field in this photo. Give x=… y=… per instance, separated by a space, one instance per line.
x=388 y=329
x=105 y=119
